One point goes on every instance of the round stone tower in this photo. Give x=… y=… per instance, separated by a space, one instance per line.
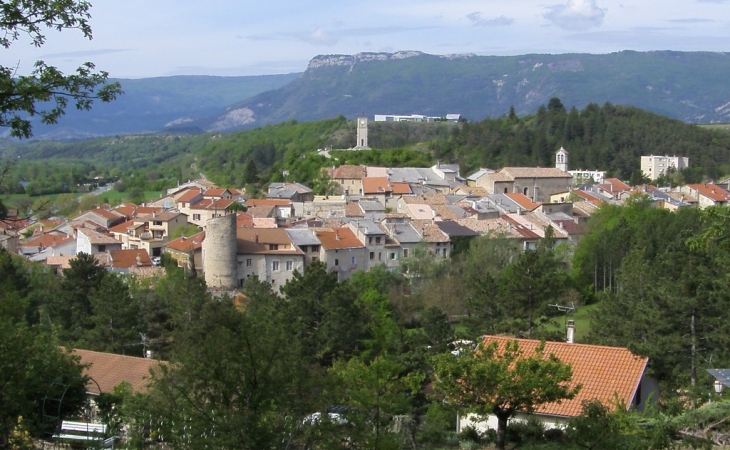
x=219 y=253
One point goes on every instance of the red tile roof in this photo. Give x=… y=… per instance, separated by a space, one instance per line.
x=338 y=238
x=210 y=203
x=47 y=240
x=603 y=372
x=522 y=200
x=130 y=210
x=109 y=370
x=185 y=244
x=124 y=259
x=349 y=172
x=268 y=202
x=588 y=197
x=376 y=185
x=189 y=194
x=400 y=188
x=712 y=191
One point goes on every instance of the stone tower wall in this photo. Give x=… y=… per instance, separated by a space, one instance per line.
x=219 y=253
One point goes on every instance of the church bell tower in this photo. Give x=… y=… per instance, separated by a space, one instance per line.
x=362 y=133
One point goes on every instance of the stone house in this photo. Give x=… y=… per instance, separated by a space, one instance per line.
x=341 y=251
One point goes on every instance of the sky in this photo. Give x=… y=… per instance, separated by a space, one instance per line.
x=155 y=38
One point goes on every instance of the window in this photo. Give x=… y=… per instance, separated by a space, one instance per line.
x=377 y=240
x=392 y=255
x=241 y=281
x=315 y=248
x=337 y=262
x=524 y=191
x=157 y=223
x=273 y=246
x=304 y=248
x=275 y=265
x=289 y=265
x=380 y=256
x=372 y=255
x=196 y=216
x=354 y=259
x=315 y=258
x=248 y=262
x=102 y=248
x=370 y=240
x=405 y=253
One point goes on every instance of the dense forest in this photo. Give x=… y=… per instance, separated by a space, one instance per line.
x=246 y=373
x=608 y=137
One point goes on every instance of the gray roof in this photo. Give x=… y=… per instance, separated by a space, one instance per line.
x=479 y=173
x=404 y=233
x=367 y=227
x=416 y=175
x=302 y=236
x=503 y=203
x=371 y=205
x=451 y=228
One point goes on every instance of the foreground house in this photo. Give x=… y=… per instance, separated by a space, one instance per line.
x=605 y=373
x=108 y=370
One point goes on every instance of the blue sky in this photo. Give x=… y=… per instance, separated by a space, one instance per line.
x=143 y=38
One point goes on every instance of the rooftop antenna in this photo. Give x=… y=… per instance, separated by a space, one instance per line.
x=567 y=309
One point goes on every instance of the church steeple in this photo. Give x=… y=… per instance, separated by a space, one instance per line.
x=561 y=159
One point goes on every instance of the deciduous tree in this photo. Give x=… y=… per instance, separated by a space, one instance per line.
x=502 y=381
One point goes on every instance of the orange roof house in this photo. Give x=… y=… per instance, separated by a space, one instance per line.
x=108 y=370
x=604 y=373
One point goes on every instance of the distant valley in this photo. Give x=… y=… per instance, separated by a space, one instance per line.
x=688 y=86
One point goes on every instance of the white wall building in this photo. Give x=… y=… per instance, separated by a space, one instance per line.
x=655 y=166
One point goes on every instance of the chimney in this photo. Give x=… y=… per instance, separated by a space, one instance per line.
x=149 y=354
x=570 y=337
x=337 y=235
x=138 y=258
x=257 y=238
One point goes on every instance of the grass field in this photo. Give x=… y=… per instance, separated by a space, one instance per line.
x=112 y=197
x=717 y=126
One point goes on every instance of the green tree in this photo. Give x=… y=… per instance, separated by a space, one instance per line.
x=115 y=318
x=46 y=86
x=502 y=381
x=71 y=308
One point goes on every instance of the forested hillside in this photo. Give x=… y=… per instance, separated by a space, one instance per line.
x=608 y=137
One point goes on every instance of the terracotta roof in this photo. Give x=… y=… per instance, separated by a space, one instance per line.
x=130 y=210
x=109 y=370
x=185 y=244
x=712 y=191
x=588 y=197
x=47 y=240
x=534 y=172
x=353 y=209
x=603 y=372
x=188 y=195
x=123 y=227
x=376 y=185
x=472 y=191
x=427 y=199
x=124 y=259
x=210 y=203
x=60 y=261
x=349 y=172
x=111 y=215
x=338 y=238
x=261 y=211
x=524 y=231
x=376 y=171
x=259 y=240
x=215 y=192
x=617 y=185
x=161 y=217
x=268 y=202
x=98 y=238
x=400 y=188
x=498 y=227
x=522 y=200
x=429 y=232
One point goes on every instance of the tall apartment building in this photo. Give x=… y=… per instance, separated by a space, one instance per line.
x=655 y=166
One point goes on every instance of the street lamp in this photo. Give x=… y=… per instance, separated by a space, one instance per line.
x=718 y=387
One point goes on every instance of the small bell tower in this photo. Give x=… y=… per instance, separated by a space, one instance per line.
x=561 y=159
x=362 y=132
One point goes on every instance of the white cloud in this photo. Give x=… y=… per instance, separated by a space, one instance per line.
x=317 y=37
x=478 y=21
x=576 y=15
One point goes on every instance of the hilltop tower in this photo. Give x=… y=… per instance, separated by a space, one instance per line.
x=362 y=133
x=219 y=253
x=561 y=159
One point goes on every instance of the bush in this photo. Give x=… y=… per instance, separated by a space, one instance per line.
x=524 y=432
x=471 y=434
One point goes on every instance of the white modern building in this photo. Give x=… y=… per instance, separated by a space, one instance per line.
x=416 y=118
x=653 y=166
